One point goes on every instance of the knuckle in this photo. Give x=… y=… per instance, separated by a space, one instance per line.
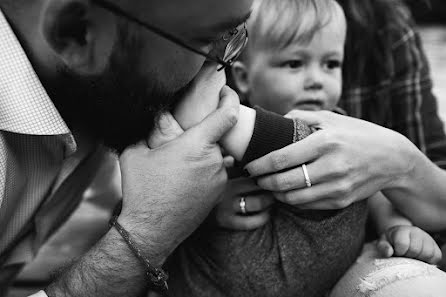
x=330 y=141
x=232 y=116
x=342 y=166
x=278 y=161
x=341 y=203
x=283 y=182
x=288 y=198
x=344 y=189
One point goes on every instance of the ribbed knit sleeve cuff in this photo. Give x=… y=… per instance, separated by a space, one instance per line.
x=273 y=132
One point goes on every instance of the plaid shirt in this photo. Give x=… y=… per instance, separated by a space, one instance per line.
x=402 y=100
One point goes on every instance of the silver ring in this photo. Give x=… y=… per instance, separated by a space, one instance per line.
x=307 y=177
x=242 y=204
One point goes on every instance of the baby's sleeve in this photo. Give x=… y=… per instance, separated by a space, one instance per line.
x=272 y=132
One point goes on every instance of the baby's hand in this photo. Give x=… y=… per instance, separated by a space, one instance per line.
x=202 y=97
x=411 y=242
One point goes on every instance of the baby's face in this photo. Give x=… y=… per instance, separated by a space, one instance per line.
x=301 y=76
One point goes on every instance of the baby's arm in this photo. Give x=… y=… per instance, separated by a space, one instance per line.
x=398 y=236
x=257 y=132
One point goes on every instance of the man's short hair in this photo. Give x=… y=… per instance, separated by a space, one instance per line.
x=275 y=24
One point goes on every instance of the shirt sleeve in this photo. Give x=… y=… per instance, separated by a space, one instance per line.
x=39 y=294
x=414 y=106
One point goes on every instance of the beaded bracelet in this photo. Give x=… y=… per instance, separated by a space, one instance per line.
x=157 y=276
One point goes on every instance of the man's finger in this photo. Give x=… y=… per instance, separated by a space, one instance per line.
x=215 y=125
x=166 y=130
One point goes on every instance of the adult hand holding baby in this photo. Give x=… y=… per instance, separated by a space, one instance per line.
x=347 y=160
x=203 y=98
x=171 y=182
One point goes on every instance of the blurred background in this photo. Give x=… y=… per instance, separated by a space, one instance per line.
x=89 y=222
x=431 y=18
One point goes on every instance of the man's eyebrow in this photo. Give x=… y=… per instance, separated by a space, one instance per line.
x=230 y=23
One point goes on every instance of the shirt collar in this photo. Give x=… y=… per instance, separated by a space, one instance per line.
x=25 y=106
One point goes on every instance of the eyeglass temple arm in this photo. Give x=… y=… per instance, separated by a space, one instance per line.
x=117 y=10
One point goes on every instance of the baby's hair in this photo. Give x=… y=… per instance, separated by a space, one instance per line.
x=276 y=24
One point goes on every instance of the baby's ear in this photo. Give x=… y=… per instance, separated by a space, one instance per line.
x=240 y=77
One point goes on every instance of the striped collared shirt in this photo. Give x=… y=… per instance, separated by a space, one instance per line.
x=40 y=160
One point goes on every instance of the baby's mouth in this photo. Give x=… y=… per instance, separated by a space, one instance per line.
x=310 y=104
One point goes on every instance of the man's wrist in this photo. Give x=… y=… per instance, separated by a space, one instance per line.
x=157 y=276
x=148 y=242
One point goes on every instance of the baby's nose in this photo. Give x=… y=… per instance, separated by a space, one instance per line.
x=313 y=79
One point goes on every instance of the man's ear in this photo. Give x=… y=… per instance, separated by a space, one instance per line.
x=79 y=33
x=240 y=76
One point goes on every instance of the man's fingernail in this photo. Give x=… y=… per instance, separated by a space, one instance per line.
x=246 y=173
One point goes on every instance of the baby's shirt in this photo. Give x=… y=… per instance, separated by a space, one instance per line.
x=297 y=253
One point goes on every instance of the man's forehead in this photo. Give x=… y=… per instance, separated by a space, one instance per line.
x=198 y=14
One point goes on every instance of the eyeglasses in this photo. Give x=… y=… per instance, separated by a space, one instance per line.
x=230 y=45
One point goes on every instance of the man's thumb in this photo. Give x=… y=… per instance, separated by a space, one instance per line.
x=166 y=130
x=216 y=124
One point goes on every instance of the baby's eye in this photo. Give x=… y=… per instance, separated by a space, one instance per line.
x=333 y=64
x=293 y=64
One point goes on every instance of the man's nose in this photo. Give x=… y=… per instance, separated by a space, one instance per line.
x=313 y=78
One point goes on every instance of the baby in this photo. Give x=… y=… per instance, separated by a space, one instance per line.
x=293 y=61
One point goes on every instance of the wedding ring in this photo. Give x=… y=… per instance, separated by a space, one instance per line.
x=242 y=204
x=307 y=177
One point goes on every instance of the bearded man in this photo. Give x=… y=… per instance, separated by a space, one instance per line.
x=80 y=75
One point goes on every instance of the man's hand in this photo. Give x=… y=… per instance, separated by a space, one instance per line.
x=347 y=160
x=411 y=242
x=169 y=190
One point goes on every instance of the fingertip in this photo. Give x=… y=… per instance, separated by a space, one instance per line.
x=384 y=248
x=226 y=90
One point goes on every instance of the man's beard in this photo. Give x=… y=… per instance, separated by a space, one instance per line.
x=118 y=108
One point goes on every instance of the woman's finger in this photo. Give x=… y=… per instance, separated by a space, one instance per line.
x=290 y=156
x=298 y=178
x=329 y=195
x=253 y=203
x=248 y=222
x=243 y=185
x=311 y=118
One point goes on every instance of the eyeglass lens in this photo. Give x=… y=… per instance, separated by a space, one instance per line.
x=236 y=45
